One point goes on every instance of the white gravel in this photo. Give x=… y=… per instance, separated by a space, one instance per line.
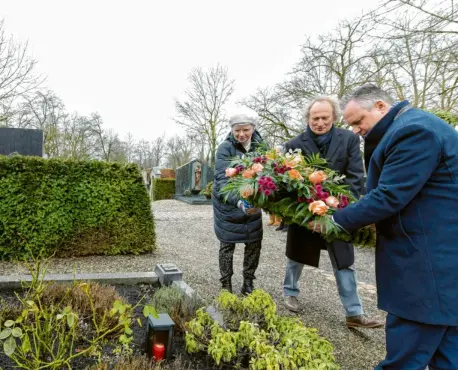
x=185 y=237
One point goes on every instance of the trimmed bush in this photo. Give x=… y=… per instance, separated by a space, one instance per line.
x=163 y=188
x=72 y=208
x=447 y=116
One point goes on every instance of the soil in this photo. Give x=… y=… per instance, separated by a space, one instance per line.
x=132 y=294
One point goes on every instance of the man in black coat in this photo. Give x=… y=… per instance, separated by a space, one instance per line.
x=341 y=148
x=234 y=220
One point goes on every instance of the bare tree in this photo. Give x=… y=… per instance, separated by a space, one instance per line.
x=334 y=64
x=129 y=147
x=158 y=150
x=79 y=141
x=438 y=17
x=202 y=110
x=108 y=142
x=17 y=75
x=278 y=122
x=45 y=111
x=180 y=150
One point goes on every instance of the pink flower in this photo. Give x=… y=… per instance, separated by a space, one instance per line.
x=257 y=168
x=267 y=192
x=230 y=172
x=332 y=201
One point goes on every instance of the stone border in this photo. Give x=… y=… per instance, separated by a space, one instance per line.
x=194 y=200
x=128 y=278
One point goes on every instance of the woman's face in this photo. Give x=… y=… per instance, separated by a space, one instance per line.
x=242 y=132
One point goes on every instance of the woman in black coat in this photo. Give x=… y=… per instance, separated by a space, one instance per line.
x=234 y=220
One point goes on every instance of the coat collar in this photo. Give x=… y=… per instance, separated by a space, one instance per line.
x=375 y=135
x=310 y=143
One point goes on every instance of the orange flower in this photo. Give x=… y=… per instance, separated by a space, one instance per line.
x=294 y=174
x=318 y=177
x=248 y=173
x=247 y=190
x=230 y=172
x=318 y=208
x=332 y=201
x=293 y=162
x=257 y=168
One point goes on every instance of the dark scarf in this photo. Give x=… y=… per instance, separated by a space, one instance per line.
x=375 y=135
x=322 y=141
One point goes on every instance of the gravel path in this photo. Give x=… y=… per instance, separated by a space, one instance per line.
x=185 y=237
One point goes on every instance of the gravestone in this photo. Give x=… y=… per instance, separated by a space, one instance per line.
x=26 y=142
x=192 y=178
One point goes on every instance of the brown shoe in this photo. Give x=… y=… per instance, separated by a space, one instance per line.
x=271 y=219
x=363 y=321
x=292 y=303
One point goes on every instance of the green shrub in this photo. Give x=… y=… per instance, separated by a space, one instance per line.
x=72 y=208
x=179 y=306
x=45 y=333
x=255 y=336
x=447 y=116
x=163 y=189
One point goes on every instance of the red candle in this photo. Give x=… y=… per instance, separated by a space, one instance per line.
x=158 y=351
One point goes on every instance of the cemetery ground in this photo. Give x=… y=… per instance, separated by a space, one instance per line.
x=185 y=237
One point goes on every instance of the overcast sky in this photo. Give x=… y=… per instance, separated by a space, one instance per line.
x=128 y=60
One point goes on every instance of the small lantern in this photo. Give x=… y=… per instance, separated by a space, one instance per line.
x=159 y=334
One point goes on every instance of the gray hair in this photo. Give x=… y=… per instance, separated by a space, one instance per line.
x=242 y=120
x=336 y=113
x=367 y=95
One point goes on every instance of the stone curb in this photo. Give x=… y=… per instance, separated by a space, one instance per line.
x=129 y=278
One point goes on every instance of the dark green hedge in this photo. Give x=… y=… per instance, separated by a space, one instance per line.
x=72 y=208
x=163 y=188
x=447 y=116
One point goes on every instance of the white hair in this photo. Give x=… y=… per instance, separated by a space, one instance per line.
x=336 y=113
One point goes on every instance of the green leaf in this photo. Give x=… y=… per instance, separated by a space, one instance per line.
x=150 y=310
x=17 y=332
x=9 y=323
x=25 y=347
x=128 y=331
x=70 y=320
x=9 y=346
x=5 y=333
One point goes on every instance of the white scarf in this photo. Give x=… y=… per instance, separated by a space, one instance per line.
x=247 y=145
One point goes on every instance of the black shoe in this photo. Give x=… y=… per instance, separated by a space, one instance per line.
x=247 y=287
x=281 y=226
x=226 y=285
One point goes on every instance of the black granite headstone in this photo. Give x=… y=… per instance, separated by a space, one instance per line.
x=193 y=176
x=26 y=142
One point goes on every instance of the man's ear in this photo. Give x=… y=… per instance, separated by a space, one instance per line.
x=381 y=106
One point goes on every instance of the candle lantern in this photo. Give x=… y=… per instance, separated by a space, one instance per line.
x=159 y=335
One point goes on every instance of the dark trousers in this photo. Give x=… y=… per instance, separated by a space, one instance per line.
x=412 y=345
x=250 y=260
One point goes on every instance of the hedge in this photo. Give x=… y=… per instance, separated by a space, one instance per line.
x=72 y=208
x=447 y=116
x=163 y=188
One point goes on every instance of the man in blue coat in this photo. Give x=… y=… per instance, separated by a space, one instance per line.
x=411 y=158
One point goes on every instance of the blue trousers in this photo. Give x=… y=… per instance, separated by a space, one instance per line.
x=412 y=345
x=346 y=285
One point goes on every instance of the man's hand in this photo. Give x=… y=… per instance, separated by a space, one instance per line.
x=318 y=226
